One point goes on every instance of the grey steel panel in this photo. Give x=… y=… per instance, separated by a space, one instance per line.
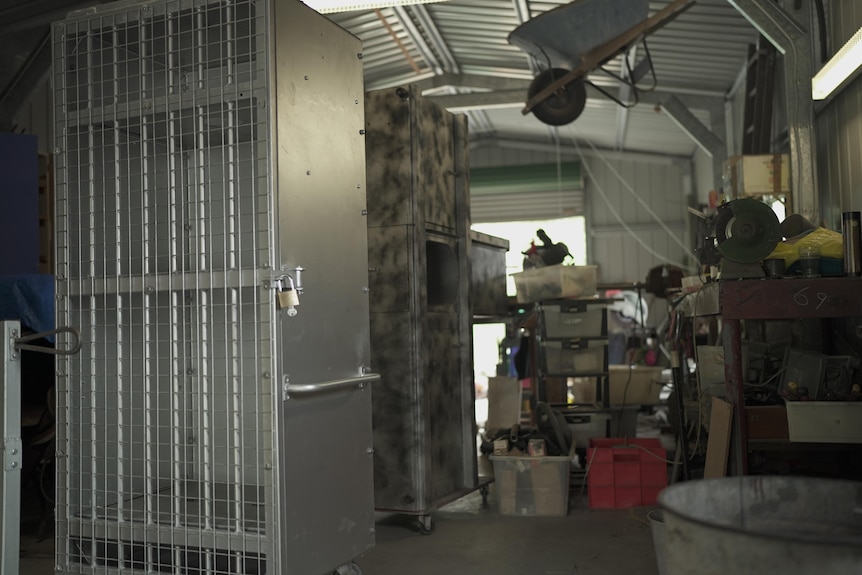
x=10 y=427
x=326 y=484
x=329 y=493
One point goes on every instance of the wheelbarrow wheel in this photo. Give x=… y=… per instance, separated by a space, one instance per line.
x=563 y=106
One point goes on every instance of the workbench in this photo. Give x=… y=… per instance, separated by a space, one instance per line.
x=767 y=299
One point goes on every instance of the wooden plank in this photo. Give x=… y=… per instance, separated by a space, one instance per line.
x=718 y=444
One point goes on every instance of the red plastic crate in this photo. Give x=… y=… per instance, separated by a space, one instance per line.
x=625 y=472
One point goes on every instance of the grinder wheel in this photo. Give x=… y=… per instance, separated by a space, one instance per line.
x=563 y=106
x=746 y=230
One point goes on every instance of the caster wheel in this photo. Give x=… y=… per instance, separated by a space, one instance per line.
x=348 y=569
x=484 y=491
x=426 y=525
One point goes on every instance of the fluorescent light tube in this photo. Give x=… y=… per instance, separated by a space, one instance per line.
x=842 y=66
x=330 y=6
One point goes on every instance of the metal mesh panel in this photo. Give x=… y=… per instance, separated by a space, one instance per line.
x=164 y=210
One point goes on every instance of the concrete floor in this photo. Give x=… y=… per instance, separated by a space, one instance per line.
x=469 y=539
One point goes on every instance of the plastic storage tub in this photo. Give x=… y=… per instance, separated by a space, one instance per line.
x=532 y=486
x=824 y=421
x=587 y=425
x=589 y=358
x=574 y=321
x=555 y=282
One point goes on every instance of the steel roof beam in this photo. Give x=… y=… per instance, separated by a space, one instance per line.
x=424 y=19
x=33 y=72
x=516 y=94
x=569 y=152
x=705 y=138
x=476 y=81
x=624 y=94
x=37 y=13
x=418 y=40
x=494 y=83
x=794 y=42
x=434 y=49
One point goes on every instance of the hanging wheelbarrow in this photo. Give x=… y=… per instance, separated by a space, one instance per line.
x=577 y=38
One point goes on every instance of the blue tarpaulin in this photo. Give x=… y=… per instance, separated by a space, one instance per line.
x=28 y=298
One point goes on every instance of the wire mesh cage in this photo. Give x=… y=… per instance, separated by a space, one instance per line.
x=168 y=419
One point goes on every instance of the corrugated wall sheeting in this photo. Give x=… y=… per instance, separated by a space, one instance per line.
x=517 y=206
x=662 y=185
x=704 y=180
x=662 y=182
x=839 y=129
x=493 y=156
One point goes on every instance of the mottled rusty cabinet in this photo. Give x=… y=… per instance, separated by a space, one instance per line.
x=488 y=277
x=419 y=277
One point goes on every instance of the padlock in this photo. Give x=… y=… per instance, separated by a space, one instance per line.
x=287 y=299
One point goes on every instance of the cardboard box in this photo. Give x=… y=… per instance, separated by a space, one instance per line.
x=644 y=385
x=555 y=282
x=501 y=446
x=504 y=403
x=757 y=175
x=536 y=447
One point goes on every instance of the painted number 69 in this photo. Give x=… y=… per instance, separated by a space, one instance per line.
x=801 y=298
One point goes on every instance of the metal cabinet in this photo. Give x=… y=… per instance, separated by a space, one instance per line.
x=203 y=428
x=488 y=277
x=419 y=259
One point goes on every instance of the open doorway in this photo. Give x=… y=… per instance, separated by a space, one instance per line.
x=490 y=340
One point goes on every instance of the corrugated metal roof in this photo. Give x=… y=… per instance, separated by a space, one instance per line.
x=388 y=53
x=701 y=52
x=461 y=47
